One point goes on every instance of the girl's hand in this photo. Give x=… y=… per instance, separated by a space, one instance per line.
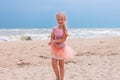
x=51 y=42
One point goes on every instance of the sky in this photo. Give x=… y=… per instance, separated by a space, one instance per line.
x=41 y=13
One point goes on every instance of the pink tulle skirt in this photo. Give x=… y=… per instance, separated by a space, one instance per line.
x=62 y=53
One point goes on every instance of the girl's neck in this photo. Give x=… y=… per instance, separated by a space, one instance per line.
x=60 y=26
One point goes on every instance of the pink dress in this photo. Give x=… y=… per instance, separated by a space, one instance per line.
x=63 y=51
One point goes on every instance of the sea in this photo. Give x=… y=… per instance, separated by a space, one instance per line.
x=44 y=33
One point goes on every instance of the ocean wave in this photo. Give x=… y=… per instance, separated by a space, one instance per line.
x=44 y=34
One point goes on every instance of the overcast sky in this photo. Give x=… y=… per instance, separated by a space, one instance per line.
x=41 y=13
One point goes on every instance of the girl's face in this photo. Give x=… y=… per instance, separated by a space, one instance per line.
x=61 y=20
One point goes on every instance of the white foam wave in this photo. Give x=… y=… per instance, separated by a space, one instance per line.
x=43 y=34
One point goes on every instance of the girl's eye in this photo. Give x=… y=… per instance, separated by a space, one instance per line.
x=61 y=19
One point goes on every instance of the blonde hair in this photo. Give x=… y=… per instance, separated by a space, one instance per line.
x=63 y=15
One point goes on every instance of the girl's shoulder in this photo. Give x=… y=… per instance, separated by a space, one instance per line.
x=54 y=29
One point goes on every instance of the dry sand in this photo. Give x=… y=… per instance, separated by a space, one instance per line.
x=96 y=59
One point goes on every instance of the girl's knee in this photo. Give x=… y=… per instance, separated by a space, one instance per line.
x=61 y=64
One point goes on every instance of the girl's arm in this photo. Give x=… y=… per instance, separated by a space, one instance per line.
x=51 y=39
x=61 y=40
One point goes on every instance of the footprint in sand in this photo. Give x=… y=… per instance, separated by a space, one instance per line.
x=23 y=64
x=74 y=62
x=43 y=57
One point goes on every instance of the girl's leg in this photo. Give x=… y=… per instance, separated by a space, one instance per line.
x=55 y=68
x=61 y=66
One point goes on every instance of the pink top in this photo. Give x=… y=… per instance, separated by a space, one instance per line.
x=58 y=32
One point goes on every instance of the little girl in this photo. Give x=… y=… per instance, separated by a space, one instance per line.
x=60 y=51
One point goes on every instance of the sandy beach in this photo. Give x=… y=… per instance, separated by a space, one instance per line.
x=96 y=59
